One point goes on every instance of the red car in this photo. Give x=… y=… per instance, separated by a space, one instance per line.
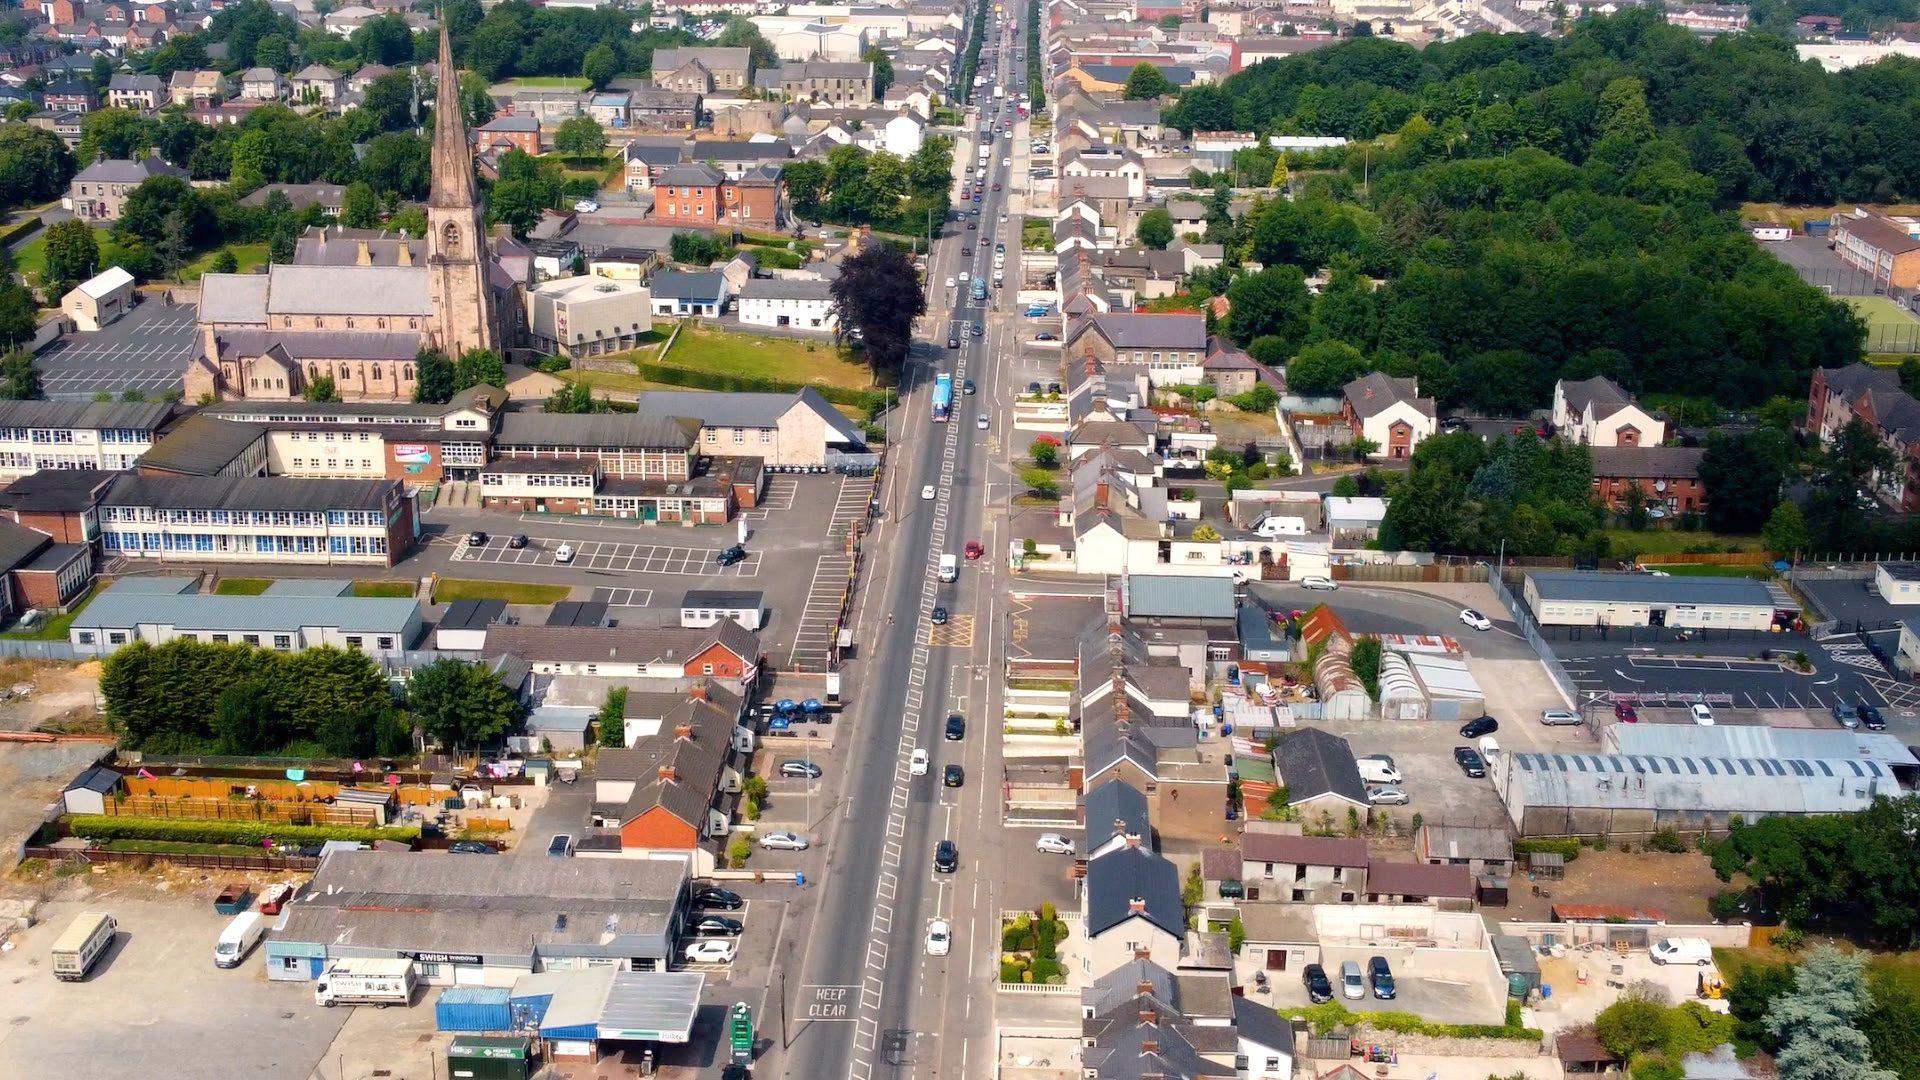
x=1625 y=713
x=974 y=550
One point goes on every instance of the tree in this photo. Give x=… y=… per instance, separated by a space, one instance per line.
x=1635 y=1023
x=385 y=39
x=740 y=32
x=876 y=298
x=321 y=390
x=359 y=207
x=114 y=132
x=570 y=398
x=580 y=135
x=1325 y=367
x=1156 y=228
x=1044 y=454
x=461 y=704
x=601 y=66
x=1743 y=474
x=19 y=379
x=1785 y=533
x=34 y=164
x=697 y=248
x=1145 y=83
x=882 y=69
x=1816 y=1022
x=476 y=367
x=224 y=262
x=72 y=254
x=612 y=718
x=1271 y=303
x=433 y=377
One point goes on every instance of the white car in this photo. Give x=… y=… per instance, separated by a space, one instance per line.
x=982 y=423
x=1006 y=163
x=918 y=764
x=710 y=951
x=783 y=841
x=949 y=282
x=963 y=277
x=1003 y=217
x=927 y=492
x=1475 y=619
x=563 y=554
x=1315 y=581
x=586 y=206
x=1052 y=843
x=1702 y=715
x=939 y=937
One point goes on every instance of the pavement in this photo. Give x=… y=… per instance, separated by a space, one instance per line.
x=146 y=350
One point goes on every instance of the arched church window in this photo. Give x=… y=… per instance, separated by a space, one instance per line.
x=450 y=238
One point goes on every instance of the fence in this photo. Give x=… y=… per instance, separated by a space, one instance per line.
x=202 y=809
x=1430 y=573
x=1524 y=620
x=178 y=858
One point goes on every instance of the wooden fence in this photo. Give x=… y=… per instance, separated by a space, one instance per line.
x=205 y=809
x=281 y=791
x=179 y=858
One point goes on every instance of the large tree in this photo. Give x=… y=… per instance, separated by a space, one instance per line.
x=580 y=135
x=1146 y=82
x=34 y=164
x=433 y=377
x=1156 y=229
x=1817 y=1021
x=461 y=704
x=72 y=254
x=876 y=298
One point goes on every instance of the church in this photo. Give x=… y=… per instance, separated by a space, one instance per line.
x=357 y=306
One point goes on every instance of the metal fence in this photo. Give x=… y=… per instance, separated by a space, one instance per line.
x=1524 y=620
x=178 y=858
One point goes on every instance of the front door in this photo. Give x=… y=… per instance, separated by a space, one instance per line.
x=1276 y=959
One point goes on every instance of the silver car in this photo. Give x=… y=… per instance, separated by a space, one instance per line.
x=1559 y=717
x=1387 y=796
x=1053 y=844
x=783 y=841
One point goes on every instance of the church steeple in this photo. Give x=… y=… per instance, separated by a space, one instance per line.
x=457 y=256
x=452 y=155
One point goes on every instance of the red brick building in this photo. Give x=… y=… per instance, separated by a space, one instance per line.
x=696 y=193
x=725 y=652
x=1871 y=395
x=665 y=790
x=1668 y=477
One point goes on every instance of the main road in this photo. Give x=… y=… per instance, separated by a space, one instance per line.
x=866 y=999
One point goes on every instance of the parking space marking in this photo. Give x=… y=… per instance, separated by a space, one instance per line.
x=623 y=597
x=820 y=613
x=610 y=556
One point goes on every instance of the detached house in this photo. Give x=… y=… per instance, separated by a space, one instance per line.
x=1389 y=412
x=99 y=191
x=318 y=84
x=1598 y=413
x=262 y=84
x=196 y=88
x=140 y=92
x=1173 y=348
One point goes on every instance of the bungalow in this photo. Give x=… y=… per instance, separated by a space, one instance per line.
x=1319 y=772
x=678 y=293
x=723 y=651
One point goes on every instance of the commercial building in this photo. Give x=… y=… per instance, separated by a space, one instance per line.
x=587 y=316
x=580 y=1015
x=420 y=444
x=257 y=519
x=724 y=651
x=578 y=486
x=290 y=616
x=98 y=300
x=1730 y=741
x=798 y=429
x=1897 y=582
x=1596 y=598
x=486 y=922
x=62 y=435
x=705 y=607
x=649 y=447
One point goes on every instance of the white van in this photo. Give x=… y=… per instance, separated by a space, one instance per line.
x=81 y=943
x=949 y=567
x=563 y=554
x=1682 y=950
x=1273 y=525
x=1375 y=769
x=239 y=938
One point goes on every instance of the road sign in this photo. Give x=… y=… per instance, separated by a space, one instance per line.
x=740 y=1032
x=828 y=1002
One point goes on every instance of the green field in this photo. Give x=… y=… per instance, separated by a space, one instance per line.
x=398 y=590
x=1757 y=573
x=30 y=258
x=513 y=592
x=1890 y=327
x=561 y=81
x=1677 y=541
x=788 y=359
x=242 y=586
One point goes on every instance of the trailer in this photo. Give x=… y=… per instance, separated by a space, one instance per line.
x=80 y=945
x=366 y=982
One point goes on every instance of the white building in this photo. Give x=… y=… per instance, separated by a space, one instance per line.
x=903 y=135
x=109 y=435
x=588 y=315
x=99 y=300
x=290 y=616
x=1598 y=412
x=1897 y=582
x=790 y=304
x=705 y=607
x=1594 y=598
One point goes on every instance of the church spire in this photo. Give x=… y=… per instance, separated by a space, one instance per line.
x=452 y=155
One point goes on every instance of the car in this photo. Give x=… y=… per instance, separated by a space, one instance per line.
x=966 y=251
x=953 y=341
x=714 y=897
x=563 y=553
x=1377 y=768
x=1387 y=796
x=1319 y=990
x=470 y=847
x=946 y=857
x=1478 y=726
x=1475 y=619
x=716 y=926
x=729 y=556
x=1871 y=719
x=1353 y=986
x=710 y=951
x=1046 y=335
x=1000 y=247
x=956 y=728
x=1845 y=715
x=1625 y=713
x=1315 y=581
x=1006 y=163
x=1003 y=217
x=517 y=541
x=972 y=225
x=1877 y=651
x=1053 y=388
x=1702 y=715
x=996 y=185
x=1033 y=388
x=926 y=492
x=939 y=616
x=1470 y=761
x=1559 y=717
x=953 y=776
x=974 y=550
x=586 y=206
x=799 y=769
x=476 y=539
x=977 y=331
x=1381 y=976
x=783 y=841
x=1052 y=843
x=976 y=196
x=982 y=423
x=560 y=846
x=918 y=762
x=1453 y=423
x=939 y=937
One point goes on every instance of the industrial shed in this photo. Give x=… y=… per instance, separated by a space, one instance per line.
x=1400 y=695
x=1690 y=740
x=1593 y=598
x=1633 y=795
x=1451 y=691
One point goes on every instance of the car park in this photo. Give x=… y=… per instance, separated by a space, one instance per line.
x=1053 y=844
x=1475 y=619
x=1315 y=581
x=946 y=857
x=918 y=762
x=716 y=926
x=799 y=769
x=710 y=951
x=953 y=776
x=1319 y=990
x=731 y=555
x=1387 y=796
x=1478 y=726
x=714 y=897
x=1702 y=715
x=1381 y=976
x=1470 y=761
x=1559 y=717
x=517 y=541
x=939 y=938
x=783 y=841
x=956 y=728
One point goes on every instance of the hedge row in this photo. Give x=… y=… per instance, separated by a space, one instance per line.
x=251 y=833
x=1567 y=848
x=870 y=400
x=1333 y=1015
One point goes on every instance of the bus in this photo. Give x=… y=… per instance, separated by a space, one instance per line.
x=943 y=396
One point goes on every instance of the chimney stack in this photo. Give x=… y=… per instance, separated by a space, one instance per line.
x=1137 y=905
x=683 y=731
x=365 y=254
x=403 y=254
x=1150 y=1046
x=699 y=692
x=669 y=775
x=1143 y=987
x=1148 y=1017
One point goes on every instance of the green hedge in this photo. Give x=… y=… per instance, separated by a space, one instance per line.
x=19 y=232
x=1568 y=849
x=870 y=400
x=1334 y=1015
x=251 y=833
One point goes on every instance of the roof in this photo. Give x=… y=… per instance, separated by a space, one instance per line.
x=1879 y=232
x=1600 y=392
x=294 y=289
x=1648 y=462
x=56 y=490
x=1179 y=596
x=1123 y=983
x=316 y=71
x=98 y=778
x=234 y=298
x=691 y=174
x=249 y=493
x=746 y=410
x=1419 y=880
x=1469 y=841
x=1115 y=808
x=666 y=61
x=1728 y=741
x=1600 y=586
x=105 y=282
x=787 y=289
x=650 y=1004
x=472 y=614
x=630 y=430
x=1131 y=330
x=1278 y=847
x=124 y=171
x=1375 y=392
x=1115 y=881
x=1698 y=784
x=202 y=446
x=621 y=645
x=681 y=285
x=1313 y=763
x=114 y=609
x=1356 y=508
x=86 y=415
x=725 y=599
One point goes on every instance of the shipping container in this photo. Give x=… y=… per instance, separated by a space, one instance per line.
x=489 y=1057
x=473 y=1008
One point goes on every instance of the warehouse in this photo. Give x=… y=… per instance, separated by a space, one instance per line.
x=1591 y=598
x=290 y=615
x=1627 y=796
x=1689 y=740
x=481 y=922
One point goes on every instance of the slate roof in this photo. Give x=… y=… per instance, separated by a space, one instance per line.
x=621 y=645
x=1648 y=462
x=1605 y=587
x=261 y=614
x=1419 y=880
x=202 y=446
x=1118 y=878
x=679 y=285
x=1115 y=808
x=19 y=544
x=1129 y=330
x=139 y=416
x=787 y=289
x=123 y=171
x=745 y=410
x=1312 y=763
x=1375 y=392
x=608 y=430
x=1601 y=392
x=691 y=174
x=348 y=290
x=1275 y=847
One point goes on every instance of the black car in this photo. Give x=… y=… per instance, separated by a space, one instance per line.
x=731 y=555
x=1871 y=719
x=724 y=899
x=1053 y=388
x=476 y=538
x=1470 y=761
x=517 y=541
x=956 y=728
x=966 y=251
x=470 y=847
x=1319 y=989
x=1381 y=976
x=953 y=776
x=953 y=341
x=1478 y=726
x=715 y=926
x=946 y=857
x=939 y=616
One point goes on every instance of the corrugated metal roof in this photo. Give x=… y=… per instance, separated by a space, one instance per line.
x=1705 y=784
x=1647 y=589
x=1758 y=742
x=1179 y=596
x=659 y=1005
x=117 y=609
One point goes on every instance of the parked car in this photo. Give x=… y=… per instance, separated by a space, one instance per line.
x=1353 y=987
x=710 y=951
x=586 y=206
x=1845 y=715
x=918 y=762
x=716 y=926
x=1377 y=769
x=1319 y=990
x=939 y=937
x=799 y=769
x=714 y=897
x=953 y=341
x=1382 y=978
x=561 y=845
x=563 y=553
x=1315 y=581
x=926 y=492
x=470 y=847
x=953 y=776
x=1475 y=619
x=1387 y=796
x=1682 y=950
x=1046 y=335
x=783 y=841
x=731 y=555
x=476 y=538
x=1702 y=715
x=1478 y=726
x=1470 y=761
x=1625 y=713
x=1559 y=717
x=517 y=541
x=956 y=727
x=1053 y=844
x=1870 y=717
x=946 y=857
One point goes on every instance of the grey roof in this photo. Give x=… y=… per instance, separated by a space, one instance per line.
x=691 y=174
x=608 y=430
x=620 y=645
x=248 y=493
x=484 y=883
x=1689 y=740
x=680 y=285
x=472 y=614
x=1377 y=391
x=787 y=289
x=1120 y=877
x=577 y=613
x=1648 y=462
x=316 y=71
x=1122 y=985
x=114 y=609
x=1115 y=808
x=1601 y=392
x=98 y=778
x=91 y=415
x=233 y=298
x=18 y=544
x=123 y=171
x=1703 y=784
x=512 y=122
x=300 y=196
x=1179 y=596
x=348 y=290
x=740 y=150
x=1474 y=841
x=727 y=599
x=140 y=83
x=641 y=1001
x=202 y=446
x=713 y=58
x=1313 y=763
x=746 y=410
x=1257 y=1022
x=1131 y=330
x=1606 y=587
x=1177 y=74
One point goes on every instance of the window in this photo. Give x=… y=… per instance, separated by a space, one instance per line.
x=386 y=642
x=84 y=637
x=251 y=639
x=116 y=637
x=706 y=669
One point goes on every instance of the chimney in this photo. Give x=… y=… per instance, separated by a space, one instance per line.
x=1100 y=493
x=1148 y=1017
x=1137 y=905
x=669 y=775
x=699 y=692
x=403 y=254
x=365 y=256
x=683 y=731
x=1150 y=1046
x=1143 y=987
x=1133 y=840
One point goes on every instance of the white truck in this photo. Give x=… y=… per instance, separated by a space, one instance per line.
x=89 y=935
x=366 y=982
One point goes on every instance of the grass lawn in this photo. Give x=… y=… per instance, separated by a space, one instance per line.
x=1798 y=216
x=55 y=629
x=1890 y=327
x=400 y=590
x=789 y=359
x=181 y=847
x=242 y=586
x=1757 y=573
x=616 y=383
x=1677 y=541
x=513 y=592
x=562 y=81
x=251 y=257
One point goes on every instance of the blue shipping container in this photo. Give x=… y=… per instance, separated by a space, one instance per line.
x=473 y=1008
